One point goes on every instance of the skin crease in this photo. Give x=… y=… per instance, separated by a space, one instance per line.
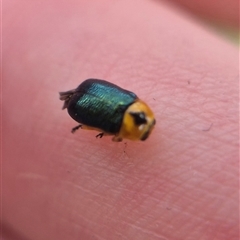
x=182 y=183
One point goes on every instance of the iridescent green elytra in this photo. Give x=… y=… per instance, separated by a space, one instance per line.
x=99 y=104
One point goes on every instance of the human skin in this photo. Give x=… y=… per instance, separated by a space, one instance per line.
x=180 y=184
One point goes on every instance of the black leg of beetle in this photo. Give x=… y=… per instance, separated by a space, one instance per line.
x=76 y=128
x=100 y=135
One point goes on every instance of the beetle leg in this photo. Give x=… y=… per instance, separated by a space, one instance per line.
x=76 y=128
x=116 y=139
x=100 y=135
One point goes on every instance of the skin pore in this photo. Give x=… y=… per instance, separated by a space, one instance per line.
x=181 y=183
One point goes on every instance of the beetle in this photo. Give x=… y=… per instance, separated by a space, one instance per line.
x=111 y=110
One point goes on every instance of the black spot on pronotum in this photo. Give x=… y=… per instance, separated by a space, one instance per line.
x=146 y=134
x=139 y=117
